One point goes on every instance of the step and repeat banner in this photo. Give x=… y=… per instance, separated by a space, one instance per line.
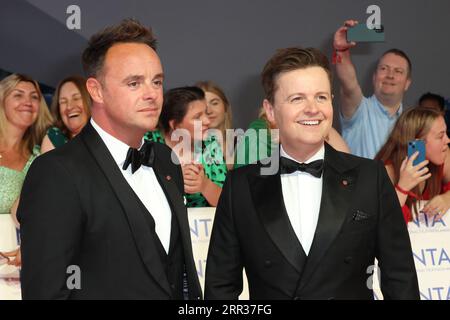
x=201 y=222
x=430 y=242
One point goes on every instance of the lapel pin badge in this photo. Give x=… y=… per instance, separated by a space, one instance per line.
x=168 y=178
x=345 y=182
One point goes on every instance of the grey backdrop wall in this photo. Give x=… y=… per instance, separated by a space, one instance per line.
x=227 y=41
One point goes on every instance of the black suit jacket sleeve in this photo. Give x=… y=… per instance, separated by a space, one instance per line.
x=224 y=258
x=398 y=279
x=51 y=226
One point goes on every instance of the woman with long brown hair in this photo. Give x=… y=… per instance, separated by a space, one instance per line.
x=426 y=180
x=70 y=107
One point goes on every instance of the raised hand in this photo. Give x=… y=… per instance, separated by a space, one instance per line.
x=340 y=37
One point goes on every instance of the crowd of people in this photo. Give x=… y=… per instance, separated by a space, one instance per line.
x=113 y=137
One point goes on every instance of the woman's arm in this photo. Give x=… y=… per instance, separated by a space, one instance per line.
x=46 y=144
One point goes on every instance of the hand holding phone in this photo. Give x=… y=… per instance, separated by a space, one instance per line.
x=361 y=33
x=414 y=146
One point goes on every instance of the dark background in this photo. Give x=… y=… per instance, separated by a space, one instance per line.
x=227 y=41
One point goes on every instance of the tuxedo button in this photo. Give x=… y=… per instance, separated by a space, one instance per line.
x=267 y=263
x=172 y=286
x=297 y=298
x=348 y=260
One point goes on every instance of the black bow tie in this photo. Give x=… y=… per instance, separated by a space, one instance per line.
x=143 y=156
x=314 y=168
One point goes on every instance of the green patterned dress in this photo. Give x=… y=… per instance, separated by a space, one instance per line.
x=56 y=136
x=11 y=183
x=211 y=158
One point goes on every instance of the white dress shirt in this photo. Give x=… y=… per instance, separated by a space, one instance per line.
x=302 y=194
x=144 y=184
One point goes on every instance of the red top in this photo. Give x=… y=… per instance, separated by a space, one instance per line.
x=425 y=196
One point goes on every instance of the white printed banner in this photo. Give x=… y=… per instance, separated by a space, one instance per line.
x=201 y=222
x=430 y=242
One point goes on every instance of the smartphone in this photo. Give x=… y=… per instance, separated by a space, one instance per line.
x=417 y=145
x=361 y=33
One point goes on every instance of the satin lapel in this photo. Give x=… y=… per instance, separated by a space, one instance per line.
x=175 y=200
x=268 y=201
x=138 y=225
x=338 y=183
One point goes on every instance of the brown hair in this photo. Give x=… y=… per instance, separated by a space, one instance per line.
x=36 y=132
x=214 y=88
x=128 y=31
x=290 y=59
x=176 y=105
x=80 y=83
x=414 y=123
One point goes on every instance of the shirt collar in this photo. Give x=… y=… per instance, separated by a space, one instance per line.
x=384 y=109
x=319 y=155
x=117 y=148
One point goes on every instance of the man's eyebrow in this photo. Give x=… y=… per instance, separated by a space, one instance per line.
x=133 y=77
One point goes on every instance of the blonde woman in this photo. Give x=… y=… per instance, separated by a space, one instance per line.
x=24 y=119
x=219 y=115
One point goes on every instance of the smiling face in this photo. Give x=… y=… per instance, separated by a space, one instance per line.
x=22 y=105
x=302 y=110
x=71 y=108
x=391 y=79
x=436 y=142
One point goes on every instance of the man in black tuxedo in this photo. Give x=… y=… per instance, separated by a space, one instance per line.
x=99 y=218
x=313 y=229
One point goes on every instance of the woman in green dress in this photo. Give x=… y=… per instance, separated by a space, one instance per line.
x=24 y=119
x=71 y=109
x=183 y=126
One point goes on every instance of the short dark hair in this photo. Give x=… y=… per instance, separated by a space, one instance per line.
x=402 y=54
x=128 y=31
x=175 y=106
x=290 y=59
x=435 y=97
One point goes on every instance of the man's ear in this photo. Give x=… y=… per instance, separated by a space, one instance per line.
x=408 y=83
x=94 y=87
x=268 y=108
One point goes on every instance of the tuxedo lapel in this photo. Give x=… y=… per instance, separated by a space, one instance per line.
x=268 y=201
x=174 y=197
x=137 y=222
x=338 y=183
